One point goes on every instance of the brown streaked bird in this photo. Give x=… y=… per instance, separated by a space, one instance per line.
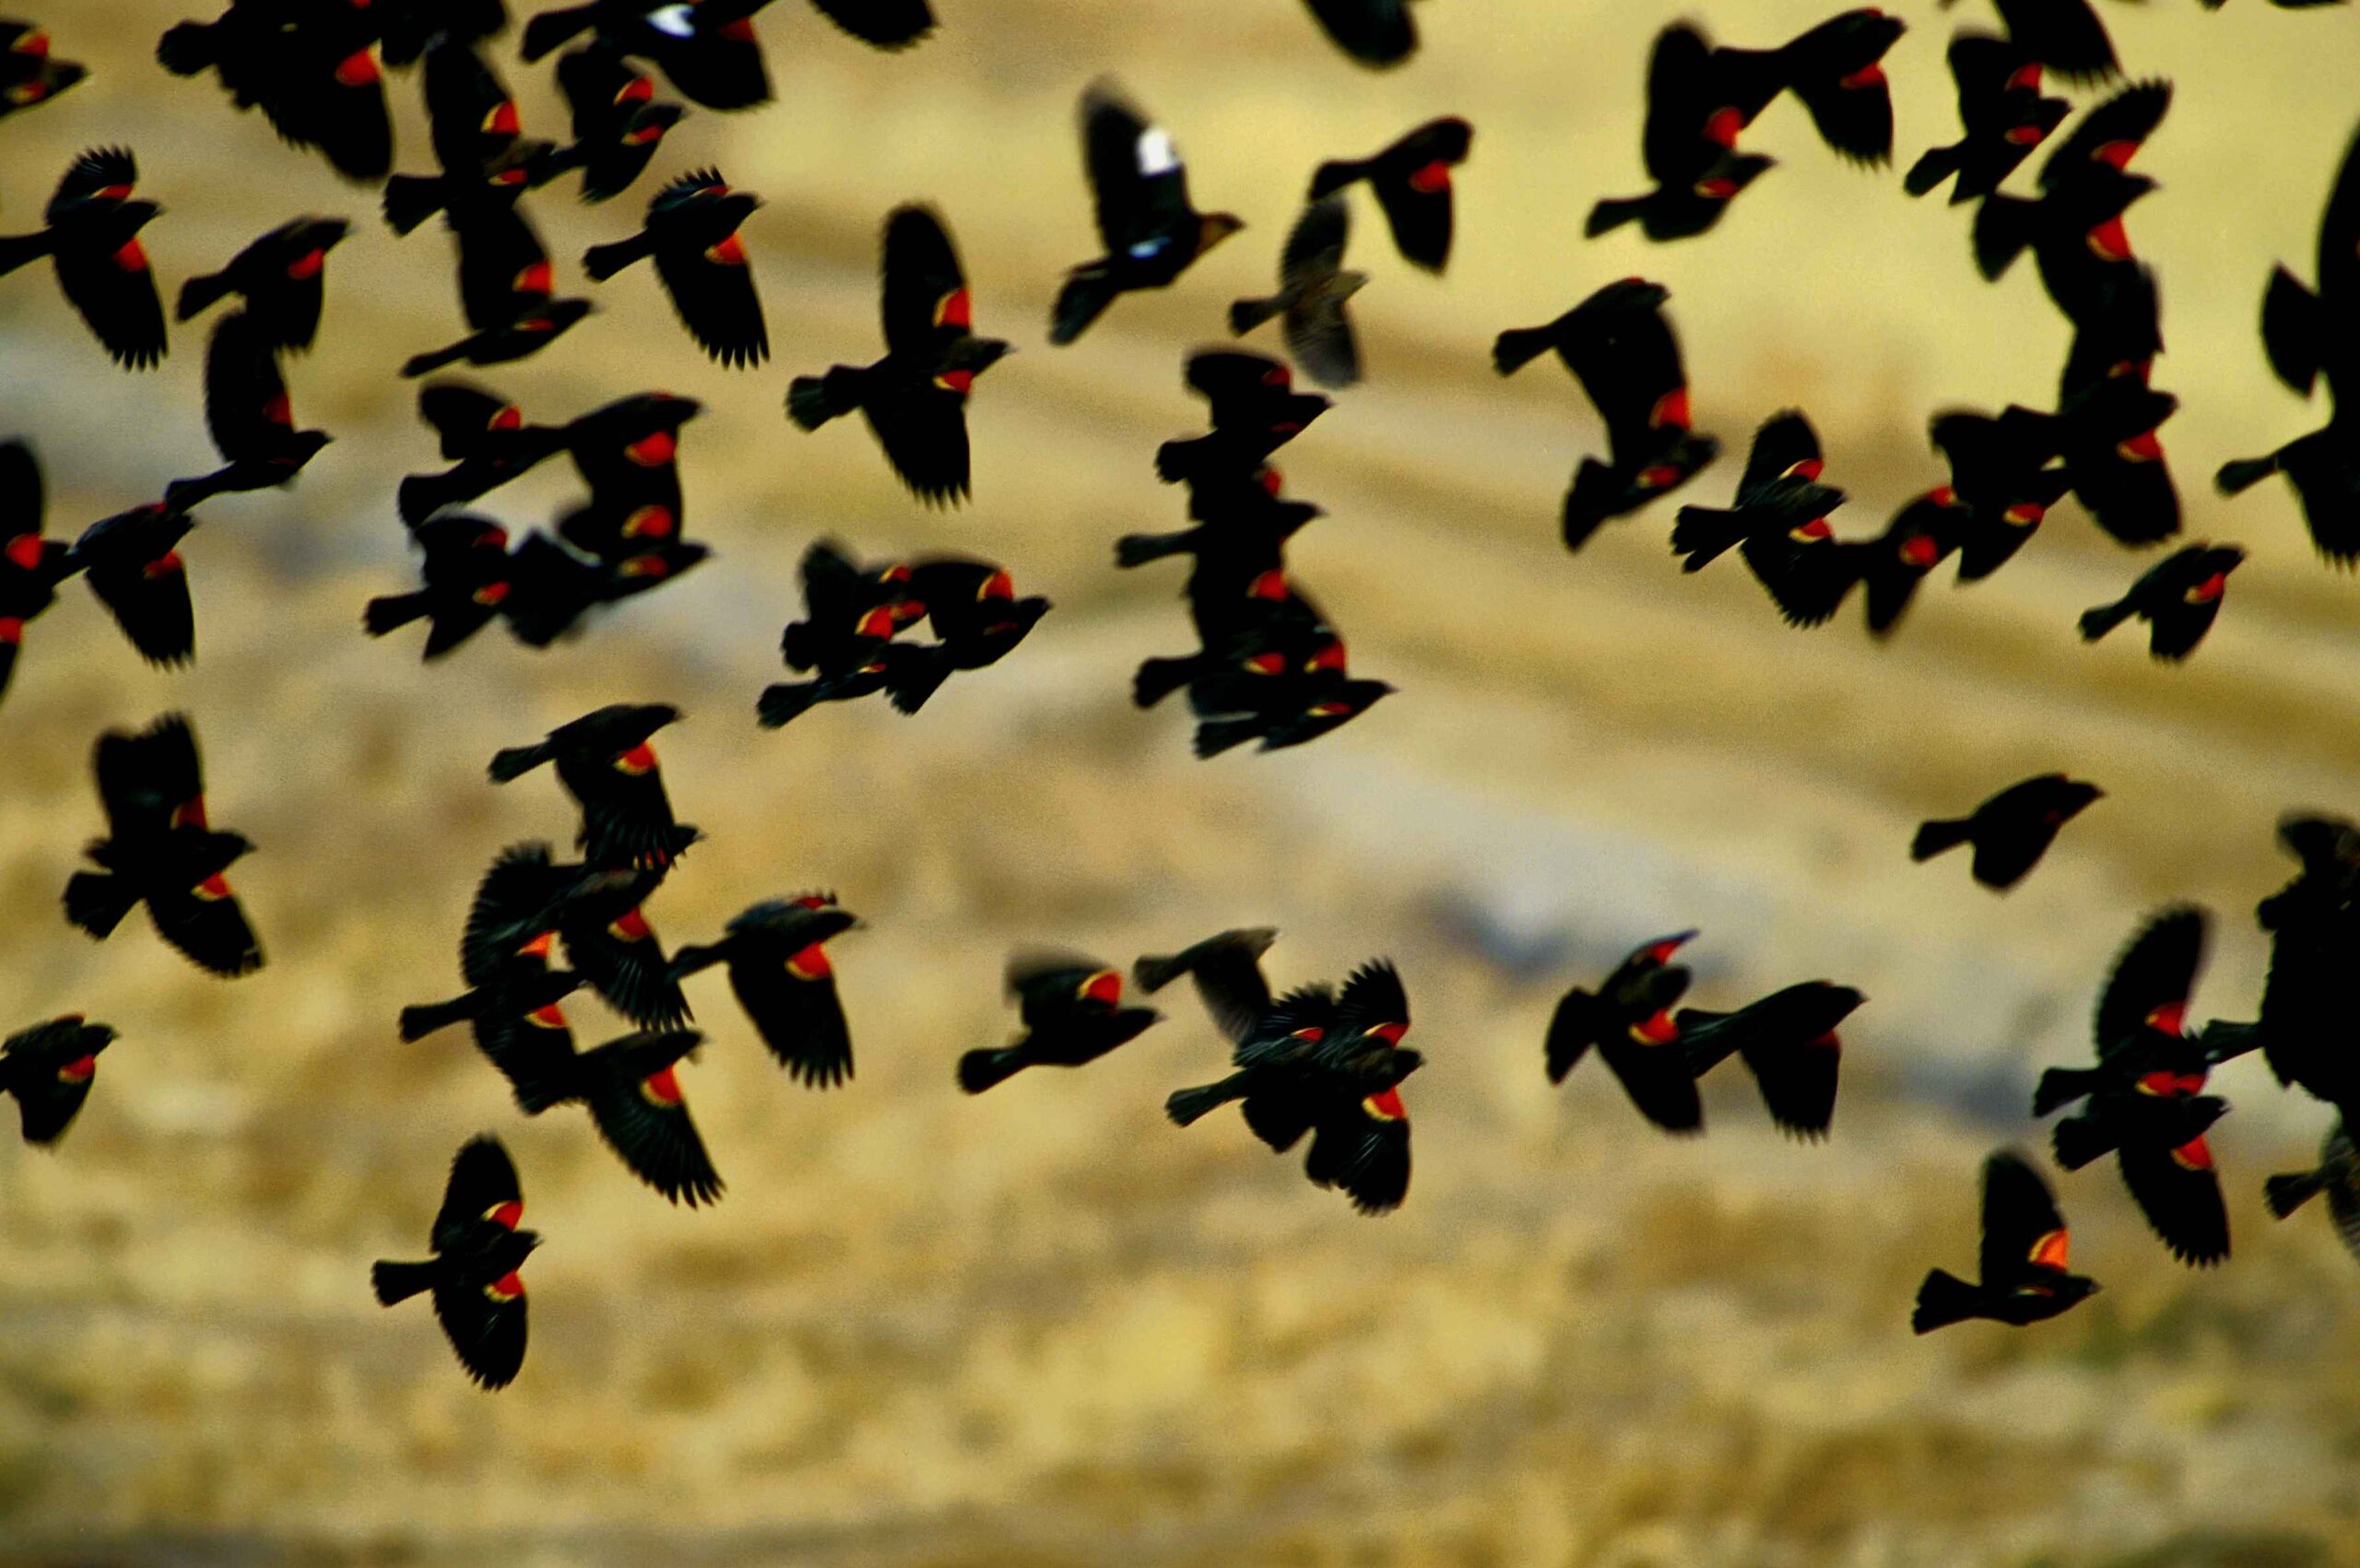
x=1314 y=289
x=161 y=850
x=2337 y=1174
x=915 y=397
x=1411 y=179
x=90 y=235
x=1151 y=231
x=1072 y=1012
x=2009 y=831
x=780 y=973
x=48 y=1070
x=2023 y=1277
x=473 y=1277
x=692 y=235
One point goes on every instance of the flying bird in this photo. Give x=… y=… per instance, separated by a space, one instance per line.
x=779 y=970
x=1411 y=180
x=2025 y=1276
x=2012 y=830
x=1314 y=289
x=281 y=277
x=472 y=1279
x=2177 y=598
x=48 y=1070
x=90 y=235
x=691 y=236
x=1152 y=233
x=1072 y=1012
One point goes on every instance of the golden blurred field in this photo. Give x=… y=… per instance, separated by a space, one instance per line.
x=1045 y=1328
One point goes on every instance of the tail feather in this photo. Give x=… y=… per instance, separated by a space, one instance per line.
x=1084 y=300
x=1244 y=315
x=434 y=359
x=1518 y=347
x=2002 y=229
x=1703 y=534
x=1938 y=165
x=550 y=29
x=1934 y=837
x=399 y=1281
x=186 y=48
x=18 y=250
x=2243 y=473
x=1334 y=175
x=693 y=959
x=1156 y=971
x=1217 y=736
x=2078 y=1140
x=410 y=200
x=1187 y=1105
x=97 y=902
x=979 y=1070
x=515 y=762
x=2097 y=622
x=602 y=261
x=1614 y=213
x=812 y=401
x=1138 y=550
x=199 y=292
x=1942 y=1300
x=394 y=611
x=2287 y=1194
x=2060 y=1087
x=780 y=705
x=420 y=1021
x=1159 y=679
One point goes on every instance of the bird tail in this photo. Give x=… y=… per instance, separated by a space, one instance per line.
x=420 y=1021
x=1942 y=1300
x=421 y=496
x=551 y=29
x=410 y=200
x=1217 y=736
x=2287 y=1194
x=181 y=495
x=17 y=250
x=2060 y=1087
x=2243 y=473
x=979 y=1070
x=1570 y=1031
x=515 y=762
x=427 y=364
x=1138 y=550
x=1703 y=534
x=395 y=611
x=1188 y=1104
x=399 y=1281
x=602 y=261
x=1518 y=347
x=2078 y=1140
x=2003 y=229
x=910 y=681
x=1334 y=175
x=2097 y=622
x=1084 y=300
x=1153 y=971
x=186 y=48
x=1614 y=213
x=97 y=902
x=1159 y=679
x=812 y=401
x=1935 y=837
x=693 y=959
x=1938 y=165
x=1244 y=315
x=782 y=704
x=199 y=292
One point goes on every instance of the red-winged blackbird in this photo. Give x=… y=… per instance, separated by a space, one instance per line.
x=513 y=995
x=618 y=121
x=2145 y=1098
x=2314 y=926
x=603 y=760
x=1374 y=33
x=1411 y=180
x=705 y=48
x=48 y=1070
x=779 y=971
x=281 y=278
x=30 y=566
x=1618 y=344
x=2022 y=1274
x=977 y=619
x=625 y=450
x=1304 y=1061
x=478 y=1293
x=632 y=1089
x=525 y=897
x=130 y=562
x=2337 y=1174
x=2009 y=831
x=692 y=234
x=2177 y=598
x=1837 y=70
x=1152 y=233
x=1778 y=524
x=1629 y=1021
x=1254 y=410
x=466 y=573
x=1072 y=1012
x=247 y=414
x=1920 y=536
x=553 y=584
x=2002 y=112
x=28 y=73
x=1280 y=676
x=159 y=851
x=2064 y=35
x=1789 y=1042
x=2107 y=429
x=410 y=27
x=2307 y=335
x=2001 y=471
x=1689 y=144
x=915 y=397
x=506 y=291
x=1253 y=628
x=2075 y=228
x=91 y=238
x=308 y=68
x=477 y=140
x=838 y=593
x=1314 y=289
x=1240 y=539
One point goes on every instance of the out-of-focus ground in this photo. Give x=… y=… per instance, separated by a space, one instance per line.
x=1045 y=1328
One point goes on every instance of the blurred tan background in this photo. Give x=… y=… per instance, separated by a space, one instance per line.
x=1045 y=1328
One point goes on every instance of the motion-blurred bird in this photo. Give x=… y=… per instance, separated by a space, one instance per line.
x=1152 y=233
x=691 y=236
x=466 y=572
x=1314 y=290
x=2009 y=831
x=48 y=1070
x=281 y=278
x=1411 y=180
x=30 y=74
x=2002 y=111
x=131 y=564
x=309 y=69
x=2024 y=1277
x=90 y=234
x=248 y=415
x=473 y=1277
x=2177 y=598
x=780 y=973
x=1787 y=1040
x=603 y=760
x=1628 y=1020
x=1072 y=1012
x=31 y=567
